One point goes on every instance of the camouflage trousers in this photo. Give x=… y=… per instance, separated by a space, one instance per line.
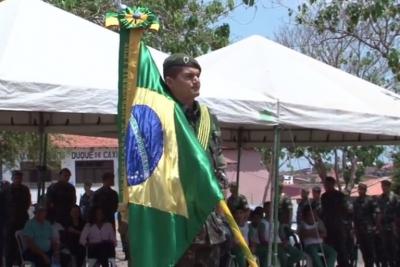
x=201 y=256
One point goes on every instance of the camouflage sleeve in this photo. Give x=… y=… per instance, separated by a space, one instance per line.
x=375 y=207
x=216 y=152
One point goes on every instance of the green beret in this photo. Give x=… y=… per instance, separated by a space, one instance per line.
x=180 y=60
x=241 y=203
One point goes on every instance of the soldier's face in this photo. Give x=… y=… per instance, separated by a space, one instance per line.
x=185 y=87
x=385 y=189
x=304 y=194
x=316 y=194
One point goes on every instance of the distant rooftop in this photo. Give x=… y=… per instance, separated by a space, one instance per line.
x=80 y=141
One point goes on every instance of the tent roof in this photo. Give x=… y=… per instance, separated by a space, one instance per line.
x=314 y=103
x=54 y=62
x=60 y=71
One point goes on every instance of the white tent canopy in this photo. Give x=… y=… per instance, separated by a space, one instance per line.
x=313 y=102
x=60 y=70
x=57 y=67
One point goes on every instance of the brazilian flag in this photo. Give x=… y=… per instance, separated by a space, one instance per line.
x=167 y=179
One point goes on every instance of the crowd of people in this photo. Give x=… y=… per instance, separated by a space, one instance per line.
x=331 y=227
x=61 y=232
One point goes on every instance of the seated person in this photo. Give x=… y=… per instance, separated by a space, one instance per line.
x=99 y=237
x=287 y=253
x=73 y=234
x=39 y=236
x=312 y=231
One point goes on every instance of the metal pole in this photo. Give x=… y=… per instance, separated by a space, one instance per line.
x=275 y=194
x=42 y=157
x=239 y=154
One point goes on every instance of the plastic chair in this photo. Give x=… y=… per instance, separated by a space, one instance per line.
x=19 y=236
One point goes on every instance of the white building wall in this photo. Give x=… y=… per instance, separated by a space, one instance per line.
x=90 y=154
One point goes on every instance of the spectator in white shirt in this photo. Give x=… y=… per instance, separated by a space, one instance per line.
x=312 y=231
x=99 y=237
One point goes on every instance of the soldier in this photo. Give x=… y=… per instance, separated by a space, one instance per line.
x=303 y=202
x=18 y=204
x=316 y=199
x=388 y=203
x=182 y=76
x=334 y=214
x=365 y=212
x=285 y=210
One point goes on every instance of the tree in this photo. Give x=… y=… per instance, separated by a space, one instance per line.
x=372 y=24
x=187 y=26
x=16 y=147
x=347 y=162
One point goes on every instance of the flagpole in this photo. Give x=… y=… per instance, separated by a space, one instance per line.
x=239 y=153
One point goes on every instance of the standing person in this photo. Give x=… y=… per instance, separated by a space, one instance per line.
x=285 y=211
x=4 y=186
x=334 y=215
x=233 y=200
x=86 y=199
x=106 y=198
x=124 y=234
x=61 y=197
x=388 y=203
x=18 y=204
x=316 y=199
x=365 y=210
x=304 y=201
x=182 y=77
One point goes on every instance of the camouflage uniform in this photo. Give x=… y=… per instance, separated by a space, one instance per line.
x=234 y=202
x=365 y=210
x=210 y=245
x=389 y=207
x=300 y=207
x=285 y=210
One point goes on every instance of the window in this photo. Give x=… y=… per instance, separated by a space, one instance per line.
x=92 y=170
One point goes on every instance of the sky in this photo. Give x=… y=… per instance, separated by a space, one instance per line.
x=264 y=18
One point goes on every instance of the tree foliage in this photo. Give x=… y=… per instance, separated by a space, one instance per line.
x=16 y=147
x=373 y=24
x=346 y=162
x=187 y=26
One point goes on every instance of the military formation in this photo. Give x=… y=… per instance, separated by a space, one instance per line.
x=376 y=225
x=366 y=223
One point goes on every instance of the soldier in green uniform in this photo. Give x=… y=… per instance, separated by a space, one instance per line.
x=388 y=203
x=304 y=201
x=365 y=212
x=182 y=76
x=285 y=210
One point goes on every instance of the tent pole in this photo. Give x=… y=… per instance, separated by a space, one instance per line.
x=42 y=157
x=239 y=155
x=275 y=194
